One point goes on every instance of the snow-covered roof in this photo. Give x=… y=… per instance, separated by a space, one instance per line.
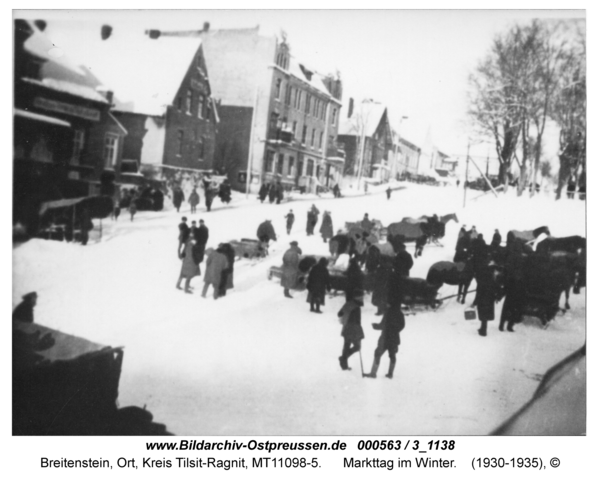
x=149 y=72
x=308 y=76
x=58 y=71
x=365 y=114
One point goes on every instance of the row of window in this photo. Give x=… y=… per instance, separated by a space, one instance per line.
x=110 y=148
x=200 y=107
x=199 y=144
x=279 y=166
x=312 y=104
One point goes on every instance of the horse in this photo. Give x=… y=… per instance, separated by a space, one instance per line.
x=451 y=273
x=341 y=243
x=527 y=236
x=565 y=244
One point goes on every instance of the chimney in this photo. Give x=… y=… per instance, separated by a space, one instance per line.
x=206 y=27
x=350 y=107
x=41 y=24
x=105 y=32
x=106 y=93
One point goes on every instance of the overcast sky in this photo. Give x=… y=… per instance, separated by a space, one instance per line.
x=416 y=62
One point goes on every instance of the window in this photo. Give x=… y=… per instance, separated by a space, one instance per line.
x=208 y=106
x=273 y=122
x=188 y=102
x=304 y=134
x=291 y=167
x=312 y=138
x=277 y=88
x=298 y=100
x=179 y=104
x=323 y=112
x=269 y=162
x=109 y=155
x=288 y=95
x=179 y=142
x=333 y=115
x=307 y=104
x=316 y=108
x=309 y=168
x=300 y=170
x=320 y=140
x=201 y=102
x=78 y=144
x=280 y=164
x=200 y=149
x=294 y=129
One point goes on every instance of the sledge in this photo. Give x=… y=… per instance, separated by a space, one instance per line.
x=248 y=248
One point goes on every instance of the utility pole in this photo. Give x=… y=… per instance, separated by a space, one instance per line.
x=466 y=174
x=251 y=146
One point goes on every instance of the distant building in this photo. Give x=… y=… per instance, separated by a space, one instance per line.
x=366 y=135
x=66 y=140
x=276 y=113
x=407 y=159
x=163 y=98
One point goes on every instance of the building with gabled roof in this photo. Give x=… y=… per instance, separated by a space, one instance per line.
x=367 y=137
x=279 y=118
x=66 y=141
x=162 y=95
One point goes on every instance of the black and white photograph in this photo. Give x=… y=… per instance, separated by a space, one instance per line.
x=299 y=223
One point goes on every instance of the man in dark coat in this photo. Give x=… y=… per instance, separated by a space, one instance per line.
x=178 y=197
x=24 y=310
x=326 y=229
x=488 y=293
x=388 y=192
x=227 y=274
x=496 y=239
x=403 y=261
x=312 y=220
x=279 y=192
x=184 y=230
x=289 y=221
x=225 y=191
x=391 y=325
x=209 y=196
x=514 y=284
x=201 y=237
x=263 y=192
x=318 y=282
x=352 y=331
x=355 y=278
x=272 y=192
x=366 y=224
x=336 y=191
x=479 y=252
x=463 y=244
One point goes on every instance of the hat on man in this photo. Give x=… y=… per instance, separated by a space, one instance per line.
x=294 y=243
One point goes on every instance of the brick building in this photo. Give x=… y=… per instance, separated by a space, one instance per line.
x=65 y=137
x=163 y=98
x=276 y=114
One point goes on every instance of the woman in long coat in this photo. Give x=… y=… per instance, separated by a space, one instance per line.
x=291 y=260
x=326 y=229
x=194 y=200
x=227 y=275
x=189 y=268
x=216 y=263
x=318 y=283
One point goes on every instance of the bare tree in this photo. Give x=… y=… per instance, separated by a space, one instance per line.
x=569 y=108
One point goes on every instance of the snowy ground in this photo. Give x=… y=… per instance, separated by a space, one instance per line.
x=255 y=362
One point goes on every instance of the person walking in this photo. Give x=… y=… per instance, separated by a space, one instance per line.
x=352 y=332
x=487 y=294
x=291 y=261
x=194 y=200
x=133 y=207
x=216 y=263
x=201 y=237
x=189 y=268
x=326 y=229
x=289 y=221
x=318 y=283
x=513 y=284
x=391 y=325
x=388 y=192
x=178 y=197
x=227 y=274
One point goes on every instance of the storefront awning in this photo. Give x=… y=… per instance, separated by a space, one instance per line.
x=40 y=118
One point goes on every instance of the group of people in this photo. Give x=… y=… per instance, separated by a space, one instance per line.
x=274 y=191
x=192 y=250
x=223 y=191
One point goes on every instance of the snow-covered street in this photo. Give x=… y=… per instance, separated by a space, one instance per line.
x=255 y=362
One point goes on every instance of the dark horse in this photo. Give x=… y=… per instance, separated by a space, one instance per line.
x=421 y=230
x=562 y=244
x=451 y=273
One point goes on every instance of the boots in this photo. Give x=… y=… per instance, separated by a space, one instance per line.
x=374 y=369
x=344 y=363
x=390 y=373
